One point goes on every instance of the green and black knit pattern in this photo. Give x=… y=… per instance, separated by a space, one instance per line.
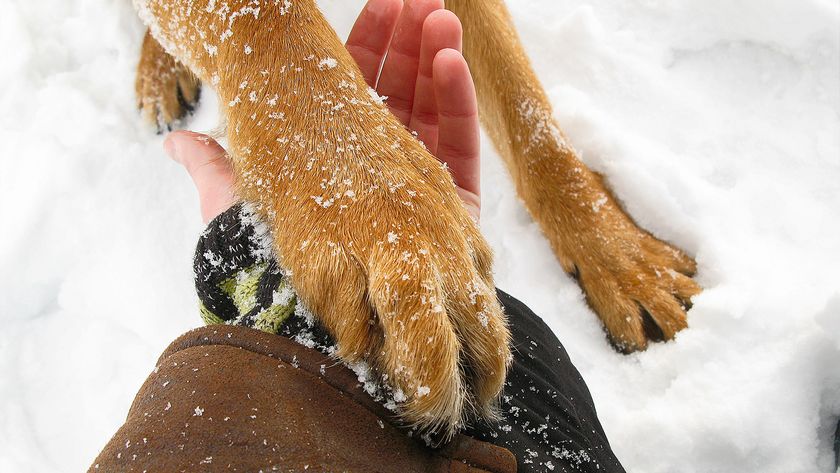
x=239 y=282
x=237 y=279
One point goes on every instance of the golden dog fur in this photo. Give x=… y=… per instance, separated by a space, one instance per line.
x=368 y=223
x=639 y=286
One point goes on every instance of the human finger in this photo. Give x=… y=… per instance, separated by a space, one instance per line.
x=371 y=35
x=441 y=30
x=459 y=129
x=209 y=167
x=399 y=72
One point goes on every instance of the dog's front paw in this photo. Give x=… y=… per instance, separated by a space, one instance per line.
x=166 y=90
x=401 y=278
x=639 y=286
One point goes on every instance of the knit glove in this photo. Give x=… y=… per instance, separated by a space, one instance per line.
x=239 y=282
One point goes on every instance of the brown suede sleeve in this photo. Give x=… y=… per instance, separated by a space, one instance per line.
x=226 y=398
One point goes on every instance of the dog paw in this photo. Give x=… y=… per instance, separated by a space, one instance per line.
x=166 y=90
x=640 y=286
x=394 y=268
x=416 y=302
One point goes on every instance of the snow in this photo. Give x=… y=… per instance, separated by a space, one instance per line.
x=327 y=63
x=717 y=123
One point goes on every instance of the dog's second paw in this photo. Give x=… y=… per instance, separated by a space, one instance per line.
x=639 y=286
x=166 y=90
x=641 y=295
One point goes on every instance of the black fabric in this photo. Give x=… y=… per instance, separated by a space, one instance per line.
x=550 y=422
x=837 y=447
x=226 y=247
x=229 y=245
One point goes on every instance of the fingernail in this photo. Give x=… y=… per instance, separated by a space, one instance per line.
x=170 y=147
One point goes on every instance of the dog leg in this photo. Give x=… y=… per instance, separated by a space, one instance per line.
x=638 y=285
x=166 y=90
x=368 y=224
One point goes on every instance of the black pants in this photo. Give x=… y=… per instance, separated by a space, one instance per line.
x=550 y=422
x=837 y=447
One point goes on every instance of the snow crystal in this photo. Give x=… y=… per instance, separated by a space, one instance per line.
x=212 y=50
x=379 y=100
x=284 y=296
x=596 y=206
x=328 y=63
x=287 y=5
x=212 y=258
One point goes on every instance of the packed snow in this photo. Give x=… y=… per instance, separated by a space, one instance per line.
x=717 y=124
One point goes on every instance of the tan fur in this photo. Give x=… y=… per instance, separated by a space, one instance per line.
x=395 y=268
x=166 y=90
x=626 y=273
x=368 y=223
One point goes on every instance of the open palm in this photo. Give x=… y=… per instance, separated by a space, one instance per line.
x=410 y=54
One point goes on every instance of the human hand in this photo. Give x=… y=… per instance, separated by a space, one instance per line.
x=427 y=82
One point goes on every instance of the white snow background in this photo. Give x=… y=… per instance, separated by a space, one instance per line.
x=717 y=123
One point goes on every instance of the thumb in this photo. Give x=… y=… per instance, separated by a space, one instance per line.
x=209 y=167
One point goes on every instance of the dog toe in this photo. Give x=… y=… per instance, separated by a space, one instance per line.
x=166 y=90
x=421 y=351
x=665 y=311
x=666 y=255
x=619 y=313
x=482 y=326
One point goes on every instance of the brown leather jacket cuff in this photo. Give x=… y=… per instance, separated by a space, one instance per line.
x=229 y=397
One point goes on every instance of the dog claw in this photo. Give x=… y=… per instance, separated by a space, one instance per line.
x=166 y=90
